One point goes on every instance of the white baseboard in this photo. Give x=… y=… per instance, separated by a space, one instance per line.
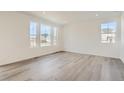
x=93 y=53
x=27 y=58
x=122 y=59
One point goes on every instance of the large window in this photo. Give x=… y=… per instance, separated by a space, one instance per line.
x=108 y=32
x=42 y=35
x=33 y=34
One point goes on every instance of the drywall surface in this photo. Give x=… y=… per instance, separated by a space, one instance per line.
x=14 y=38
x=85 y=37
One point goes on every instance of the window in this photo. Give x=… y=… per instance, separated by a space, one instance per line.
x=45 y=35
x=42 y=35
x=108 y=32
x=55 y=36
x=33 y=34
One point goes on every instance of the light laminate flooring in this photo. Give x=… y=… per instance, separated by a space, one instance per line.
x=64 y=66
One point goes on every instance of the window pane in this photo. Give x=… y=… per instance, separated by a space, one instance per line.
x=45 y=35
x=33 y=34
x=54 y=36
x=48 y=35
x=104 y=28
x=112 y=26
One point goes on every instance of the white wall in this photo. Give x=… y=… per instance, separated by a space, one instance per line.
x=14 y=39
x=84 y=37
x=81 y=37
x=122 y=37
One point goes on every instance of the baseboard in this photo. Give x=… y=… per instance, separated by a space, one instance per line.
x=92 y=54
x=122 y=59
x=48 y=53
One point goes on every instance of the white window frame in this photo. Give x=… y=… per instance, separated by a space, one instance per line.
x=38 y=35
x=108 y=37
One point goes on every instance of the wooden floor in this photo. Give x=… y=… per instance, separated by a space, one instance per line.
x=65 y=66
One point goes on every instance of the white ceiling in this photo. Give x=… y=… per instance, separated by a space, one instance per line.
x=63 y=17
